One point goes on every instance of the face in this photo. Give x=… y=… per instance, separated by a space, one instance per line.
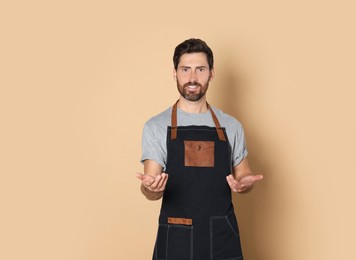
x=193 y=75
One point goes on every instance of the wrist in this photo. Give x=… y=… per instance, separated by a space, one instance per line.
x=151 y=195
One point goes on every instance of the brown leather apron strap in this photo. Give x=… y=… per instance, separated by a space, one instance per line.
x=217 y=124
x=174 y=121
x=215 y=119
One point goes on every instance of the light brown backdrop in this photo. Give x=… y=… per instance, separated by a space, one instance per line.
x=80 y=78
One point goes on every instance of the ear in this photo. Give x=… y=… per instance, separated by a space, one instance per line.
x=174 y=74
x=212 y=73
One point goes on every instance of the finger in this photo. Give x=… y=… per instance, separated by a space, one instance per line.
x=235 y=183
x=231 y=178
x=147 y=180
x=147 y=184
x=159 y=181
x=163 y=182
x=156 y=181
x=231 y=181
x=247 y=182
x=163 y=178
x=253 y=177
x=242 y=189
x=250 y=180
x=144 y=177
x=244 y=185
x=147 y=177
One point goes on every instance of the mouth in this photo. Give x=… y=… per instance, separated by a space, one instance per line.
x=192 y=87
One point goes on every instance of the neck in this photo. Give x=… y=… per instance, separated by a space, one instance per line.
x=195 y=107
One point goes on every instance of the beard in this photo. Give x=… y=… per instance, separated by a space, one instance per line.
x=192 y=95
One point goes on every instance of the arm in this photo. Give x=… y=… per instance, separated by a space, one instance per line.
x=153 y=181
x=242 y=178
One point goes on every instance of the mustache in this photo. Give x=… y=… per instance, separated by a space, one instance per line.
x=192 y=84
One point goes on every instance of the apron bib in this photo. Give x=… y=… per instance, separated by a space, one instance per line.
x=197 y=219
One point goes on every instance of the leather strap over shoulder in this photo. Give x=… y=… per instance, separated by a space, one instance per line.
x=215 y=119
x=174 y=121
x=217 y=124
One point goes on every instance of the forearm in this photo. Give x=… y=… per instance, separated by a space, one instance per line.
x=151 y=195
x=242 y=170
x=242 y=179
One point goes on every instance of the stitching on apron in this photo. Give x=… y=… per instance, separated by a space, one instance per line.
x=156 y=246
x=191 y=243
x=232 y=228
x=211 y=238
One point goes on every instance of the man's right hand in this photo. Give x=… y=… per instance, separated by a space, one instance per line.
x=153 y=184
x=153 y=180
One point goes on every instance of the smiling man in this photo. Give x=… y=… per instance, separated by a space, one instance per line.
x=194 y=155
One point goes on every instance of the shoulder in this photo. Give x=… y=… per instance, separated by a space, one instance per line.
x=227 y=120
x=160 y=120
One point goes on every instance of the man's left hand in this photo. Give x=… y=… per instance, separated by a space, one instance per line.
x=243 y=184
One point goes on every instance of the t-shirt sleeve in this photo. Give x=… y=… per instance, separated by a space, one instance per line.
x=239 y=150
x=153 y=146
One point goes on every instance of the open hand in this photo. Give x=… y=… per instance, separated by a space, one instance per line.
x=245 y=183
x=154 y=184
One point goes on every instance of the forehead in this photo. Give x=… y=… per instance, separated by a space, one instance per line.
x=193 y=59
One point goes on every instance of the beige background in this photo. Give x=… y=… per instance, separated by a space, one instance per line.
x=79 y=79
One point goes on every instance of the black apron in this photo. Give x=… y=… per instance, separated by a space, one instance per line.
x=197 y=219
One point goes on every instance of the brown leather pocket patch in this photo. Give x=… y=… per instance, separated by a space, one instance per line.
x=199 y=153
x=180 y=221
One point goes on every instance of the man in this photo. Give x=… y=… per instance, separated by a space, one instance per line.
x=193 y=156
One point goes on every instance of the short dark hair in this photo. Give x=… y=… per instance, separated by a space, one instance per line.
x=193 y=46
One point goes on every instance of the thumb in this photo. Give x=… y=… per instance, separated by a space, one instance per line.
x=258 y=177
x=139 y=176
x=145 y=178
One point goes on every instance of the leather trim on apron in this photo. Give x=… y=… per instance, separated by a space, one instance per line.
x=215 y=119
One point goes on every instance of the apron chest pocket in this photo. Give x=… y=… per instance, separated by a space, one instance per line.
x=199 y=153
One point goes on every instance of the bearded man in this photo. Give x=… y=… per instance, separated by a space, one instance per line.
x=194 y=155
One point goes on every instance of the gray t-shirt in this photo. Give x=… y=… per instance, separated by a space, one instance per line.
x=154 y=136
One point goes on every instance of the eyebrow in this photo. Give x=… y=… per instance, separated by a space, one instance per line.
x=188 y=67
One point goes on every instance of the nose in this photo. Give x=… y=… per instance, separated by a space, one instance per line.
x=193 y=76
